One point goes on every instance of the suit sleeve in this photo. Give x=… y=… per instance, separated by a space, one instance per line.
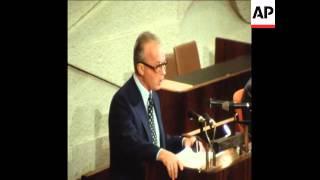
x=123 y=133
x=174 y=143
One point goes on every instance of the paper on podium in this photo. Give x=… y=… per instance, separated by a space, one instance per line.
x=190 y=159
x=197 y=160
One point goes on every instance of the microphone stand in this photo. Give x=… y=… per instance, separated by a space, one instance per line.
x=213 y=151
x=202 y=125
x=213 y=129
x=208 y=164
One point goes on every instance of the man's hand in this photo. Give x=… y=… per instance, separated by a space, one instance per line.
x=171 y=162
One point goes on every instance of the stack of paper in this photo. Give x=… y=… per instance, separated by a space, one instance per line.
x=190 y=159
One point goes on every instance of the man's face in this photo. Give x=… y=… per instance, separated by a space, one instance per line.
x=153 y=56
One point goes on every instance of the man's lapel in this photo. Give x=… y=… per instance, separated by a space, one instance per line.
x=139 y=107
x=158 y=114
x=141 y=112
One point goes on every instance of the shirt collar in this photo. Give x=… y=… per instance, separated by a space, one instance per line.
x=143 y=91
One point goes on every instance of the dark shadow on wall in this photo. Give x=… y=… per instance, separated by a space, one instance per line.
x=101 y=143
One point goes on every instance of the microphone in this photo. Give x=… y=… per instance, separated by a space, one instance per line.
x=227 y=105
x=210 y=120
x=195 y=116
x=211 y=123
x=215 y=103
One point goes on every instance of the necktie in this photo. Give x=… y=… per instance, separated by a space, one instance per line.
x=151 y=120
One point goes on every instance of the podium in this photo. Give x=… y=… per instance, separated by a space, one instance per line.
x=229 y=164
x=238 y=170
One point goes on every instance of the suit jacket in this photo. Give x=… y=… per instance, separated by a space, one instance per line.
x=130 y=135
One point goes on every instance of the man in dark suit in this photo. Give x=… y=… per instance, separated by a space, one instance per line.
x=136 y=131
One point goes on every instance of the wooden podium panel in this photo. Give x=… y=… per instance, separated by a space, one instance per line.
x=239 y=171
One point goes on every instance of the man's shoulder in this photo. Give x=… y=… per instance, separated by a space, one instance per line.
x=125 y=90
x=126 y=87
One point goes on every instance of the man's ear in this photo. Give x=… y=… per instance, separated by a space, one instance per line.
x=140 y=69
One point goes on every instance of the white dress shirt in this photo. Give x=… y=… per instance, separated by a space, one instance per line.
x=145 y=95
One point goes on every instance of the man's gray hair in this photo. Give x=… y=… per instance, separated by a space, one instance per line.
x=142 y=39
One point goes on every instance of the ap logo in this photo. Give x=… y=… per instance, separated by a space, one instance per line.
x=263 y=13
